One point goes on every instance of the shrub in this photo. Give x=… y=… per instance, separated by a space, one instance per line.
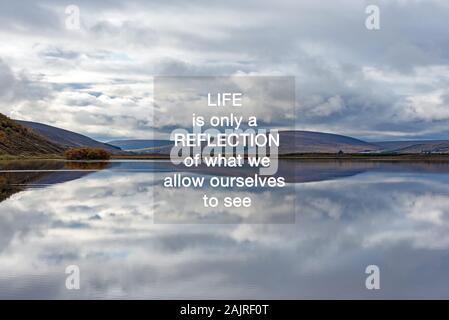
x=91 y=165
x=87 y=154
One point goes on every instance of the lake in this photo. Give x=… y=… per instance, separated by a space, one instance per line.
x=131 y=238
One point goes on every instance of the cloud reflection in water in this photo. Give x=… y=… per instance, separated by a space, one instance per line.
x=103 y=222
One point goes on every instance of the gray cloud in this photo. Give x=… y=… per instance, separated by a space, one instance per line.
x=389 y=83
x=16 y=87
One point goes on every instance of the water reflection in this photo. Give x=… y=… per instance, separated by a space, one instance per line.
x=348 y=215
x=15 y=176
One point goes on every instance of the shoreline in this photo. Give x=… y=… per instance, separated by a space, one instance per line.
x=324 y=156
x=296 y=157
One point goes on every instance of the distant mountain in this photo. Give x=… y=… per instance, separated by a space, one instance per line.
x=16 y=139
x=65 y=138
x=295 y=141
x=423 y=146
x=130 y=145
x=290 y=142
x=159 y=150
x=319 y=142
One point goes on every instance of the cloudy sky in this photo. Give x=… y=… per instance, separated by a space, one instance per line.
x=391 y=83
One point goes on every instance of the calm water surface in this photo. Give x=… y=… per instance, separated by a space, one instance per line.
x=314 y=238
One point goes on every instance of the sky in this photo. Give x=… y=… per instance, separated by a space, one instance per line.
x=386 y=84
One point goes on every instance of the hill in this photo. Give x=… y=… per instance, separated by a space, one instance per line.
x=417 y=146
x=130 y=145
x=290 y=142
x=309 y=142
x=16 y=139
x=66 y=138
x=319 y=142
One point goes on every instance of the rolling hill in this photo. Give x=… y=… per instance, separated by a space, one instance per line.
x=295 y=141
x=417 y=146
x=290 y=142
x=319 y=142
x=16 y=139
x=24 y=137
x=65 y=138
x=130 y=145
